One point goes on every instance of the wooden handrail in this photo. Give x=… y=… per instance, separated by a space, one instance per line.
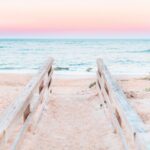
x=125 y=120
x=34 y=94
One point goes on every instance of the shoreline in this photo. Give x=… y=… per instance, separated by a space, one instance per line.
x=69 y=74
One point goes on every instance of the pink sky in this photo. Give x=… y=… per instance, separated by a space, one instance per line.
x=95 y=18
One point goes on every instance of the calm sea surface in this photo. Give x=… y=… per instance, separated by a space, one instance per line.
x=121 y=56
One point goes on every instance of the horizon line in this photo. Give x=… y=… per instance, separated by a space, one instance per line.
x=74 y=38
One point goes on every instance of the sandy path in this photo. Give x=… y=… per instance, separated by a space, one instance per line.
x=73 y=120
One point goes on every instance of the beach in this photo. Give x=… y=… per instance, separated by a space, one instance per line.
x=10 y=87
x=74 y=110
x=74 y=75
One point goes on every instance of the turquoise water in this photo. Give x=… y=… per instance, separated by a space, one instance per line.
x=121 y=56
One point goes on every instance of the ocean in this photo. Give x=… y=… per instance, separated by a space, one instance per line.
x=122 y=57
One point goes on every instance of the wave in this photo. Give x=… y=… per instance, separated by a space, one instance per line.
x=146 y=51
x=2 y=47
x=61 y=68
x=132 y=51
x=140 y=51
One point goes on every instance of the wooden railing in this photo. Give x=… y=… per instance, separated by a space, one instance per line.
x=125 y=120
x=24 y=113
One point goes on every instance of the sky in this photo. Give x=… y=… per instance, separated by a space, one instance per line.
x=75 y=18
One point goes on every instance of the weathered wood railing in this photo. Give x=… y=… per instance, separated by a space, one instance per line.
x=19 y=116
x=125 y=120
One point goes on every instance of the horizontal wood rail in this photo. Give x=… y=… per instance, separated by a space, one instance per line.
x=19 y=116
x=125 y=120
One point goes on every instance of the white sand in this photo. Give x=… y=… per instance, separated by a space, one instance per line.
x=138 y=93
x=10 y=86
x=73 y=118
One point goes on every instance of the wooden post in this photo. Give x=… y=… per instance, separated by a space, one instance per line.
x=26 y=113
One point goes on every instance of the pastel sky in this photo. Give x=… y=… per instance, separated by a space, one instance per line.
x=75 y=18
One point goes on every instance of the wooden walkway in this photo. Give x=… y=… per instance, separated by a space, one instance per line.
x=74 y=116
